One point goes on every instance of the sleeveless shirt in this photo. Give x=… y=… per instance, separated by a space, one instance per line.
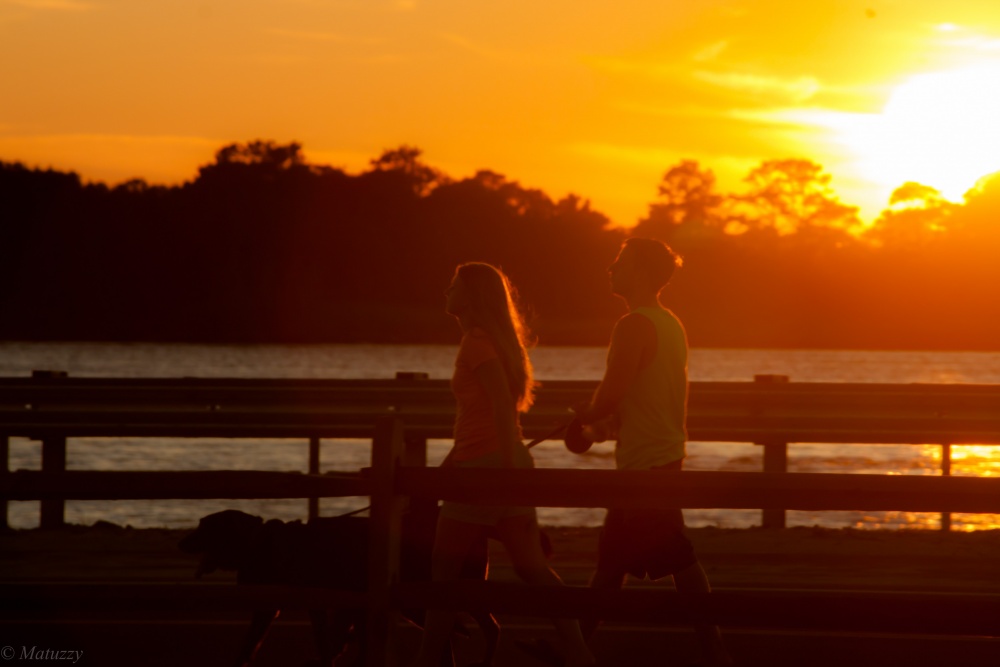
x=652 y=413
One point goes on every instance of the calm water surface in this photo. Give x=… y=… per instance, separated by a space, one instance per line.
x=564 y=363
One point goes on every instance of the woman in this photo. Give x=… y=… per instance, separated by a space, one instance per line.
x=492 y=384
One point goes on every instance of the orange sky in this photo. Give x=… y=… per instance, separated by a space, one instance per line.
x=593 y=97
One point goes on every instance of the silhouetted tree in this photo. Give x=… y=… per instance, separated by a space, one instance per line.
x=262 y=246
x=917 y=215
x=687 y=210
x=264 y=153
x=975 y=224
x=790 y=196
x=406 y=161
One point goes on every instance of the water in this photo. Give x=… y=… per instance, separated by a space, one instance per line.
x=566 y=363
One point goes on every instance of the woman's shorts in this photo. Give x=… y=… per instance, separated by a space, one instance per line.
x=489 y=515
x=645 y=542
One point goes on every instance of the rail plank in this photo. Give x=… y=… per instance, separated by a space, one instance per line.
x=199 y=484
x=718 y=411
x=541 y=488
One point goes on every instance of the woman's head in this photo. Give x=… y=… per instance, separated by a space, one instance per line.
x=481 y=296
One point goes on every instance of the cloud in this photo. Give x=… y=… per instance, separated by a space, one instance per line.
x=710 y=52
x=802 y=116
x=313 y=36
x=728 y=167
x=796 y=90
x=637 y=155
x=656 y=70
x=659 y=158
x=280 y=59
x=472 y=47
x=55 y=5
x=974 y=43
x=674 y=111
x=500 y=56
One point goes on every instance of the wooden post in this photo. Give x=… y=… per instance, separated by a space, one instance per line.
x=422 y=511
x=384 y=541
x=775 y=459
x=946 y=472
x=53 y=461
x=4 y=469
x=53 y=510
x=415 y=455
x=415 y=451
x=313 y=470
x=415 y=446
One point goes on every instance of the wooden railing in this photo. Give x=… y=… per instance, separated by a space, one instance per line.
x=770 y=412
x=400 y=415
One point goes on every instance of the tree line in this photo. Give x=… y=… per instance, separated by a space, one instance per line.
x=263 y=246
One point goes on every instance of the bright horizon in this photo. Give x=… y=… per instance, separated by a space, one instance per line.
x=598 y=99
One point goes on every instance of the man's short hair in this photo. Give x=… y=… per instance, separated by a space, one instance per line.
x=654 y=258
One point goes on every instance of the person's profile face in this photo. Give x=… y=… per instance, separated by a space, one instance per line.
x=456 y=297
x=623 y=273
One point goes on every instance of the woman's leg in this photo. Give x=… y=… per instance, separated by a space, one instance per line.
x=520 y=536
x=452 y=543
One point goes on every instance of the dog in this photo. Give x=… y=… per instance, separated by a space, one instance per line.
x=327 y=552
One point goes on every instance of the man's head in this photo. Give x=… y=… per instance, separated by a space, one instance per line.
x=643 y=265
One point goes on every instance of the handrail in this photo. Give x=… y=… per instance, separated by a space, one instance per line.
x=717 y=411
x=771 y=412
x=539 y=487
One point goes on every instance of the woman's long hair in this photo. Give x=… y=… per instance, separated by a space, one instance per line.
x=493 y=308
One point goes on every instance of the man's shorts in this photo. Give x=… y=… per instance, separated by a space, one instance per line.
x=645 y=542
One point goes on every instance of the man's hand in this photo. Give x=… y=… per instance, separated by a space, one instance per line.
x=582 y=410
x=602 y=429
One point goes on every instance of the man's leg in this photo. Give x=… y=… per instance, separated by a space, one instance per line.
x=606 y=577
x=692 y=583
x=610 y=573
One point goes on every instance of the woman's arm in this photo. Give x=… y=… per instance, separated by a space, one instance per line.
x=490 y=374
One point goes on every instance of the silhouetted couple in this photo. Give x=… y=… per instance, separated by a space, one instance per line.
x=644 y=392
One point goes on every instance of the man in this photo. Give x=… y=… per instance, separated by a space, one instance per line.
x=644 y=390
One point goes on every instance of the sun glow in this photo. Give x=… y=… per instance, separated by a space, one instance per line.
x=940 y=129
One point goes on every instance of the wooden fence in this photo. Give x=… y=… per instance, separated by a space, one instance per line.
x=399 y=415
x=770 y=412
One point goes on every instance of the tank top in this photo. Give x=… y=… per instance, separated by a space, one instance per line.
x=652 y=431
x=475 y=426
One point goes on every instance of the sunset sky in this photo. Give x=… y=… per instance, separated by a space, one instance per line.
x=598 y=98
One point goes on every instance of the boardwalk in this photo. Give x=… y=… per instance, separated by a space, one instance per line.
x=924 y=561
x=783 y=597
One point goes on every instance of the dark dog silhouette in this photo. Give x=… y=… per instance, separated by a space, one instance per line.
x=326 y=553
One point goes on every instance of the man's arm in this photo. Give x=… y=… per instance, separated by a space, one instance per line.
x=633 y=343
